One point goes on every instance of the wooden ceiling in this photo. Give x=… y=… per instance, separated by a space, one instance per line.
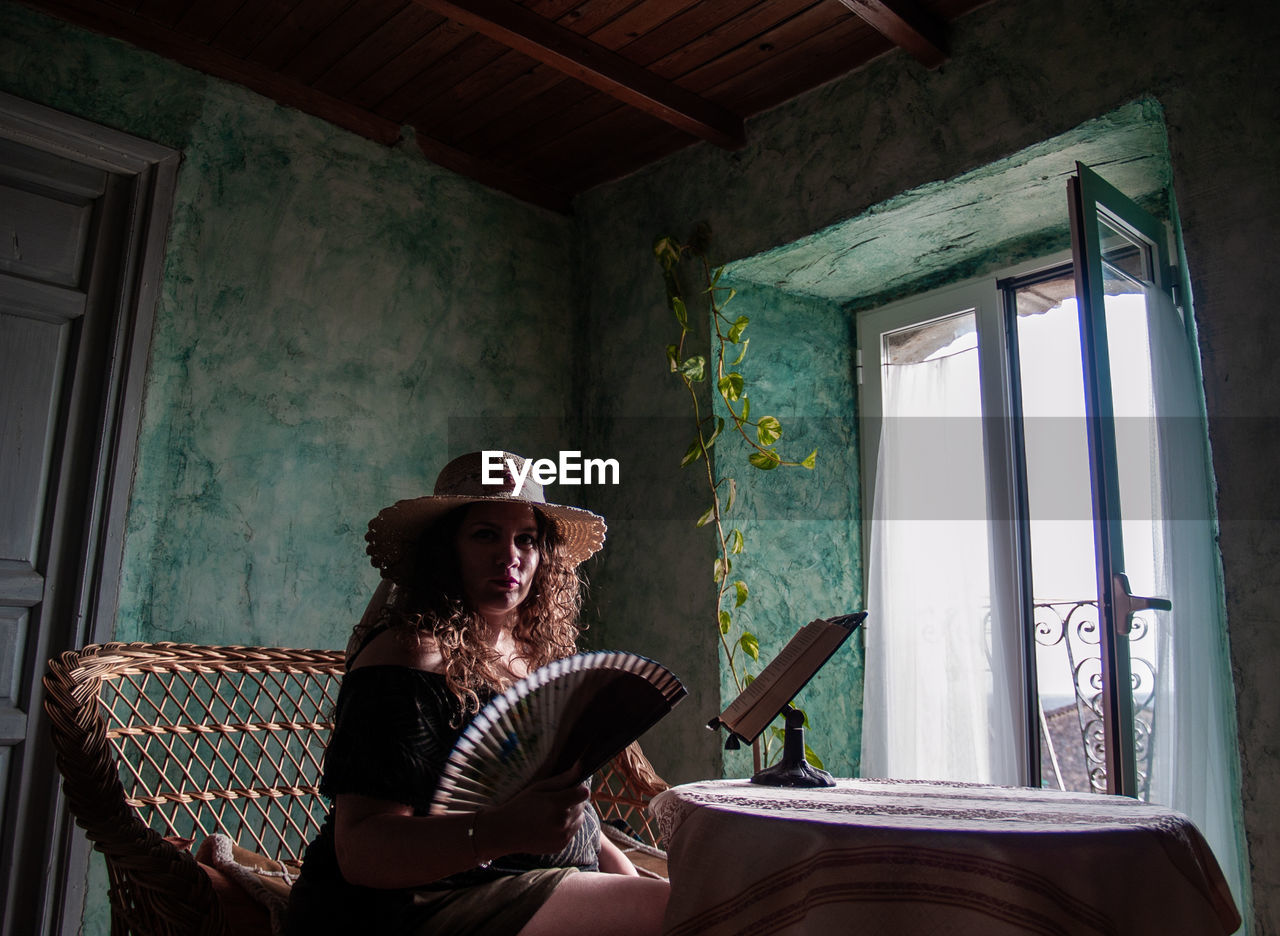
x=539 y=98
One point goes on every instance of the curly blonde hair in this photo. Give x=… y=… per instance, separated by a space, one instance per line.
x=432 y=606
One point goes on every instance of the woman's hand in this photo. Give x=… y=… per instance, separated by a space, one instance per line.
x=542 y=819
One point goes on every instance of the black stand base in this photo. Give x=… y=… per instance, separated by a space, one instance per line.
x=793 y=770
x=793 y=775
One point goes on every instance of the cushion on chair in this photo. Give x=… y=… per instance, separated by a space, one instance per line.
x=253 y=889
x=243 y=914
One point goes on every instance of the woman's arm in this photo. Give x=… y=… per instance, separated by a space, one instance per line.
x=382 y=844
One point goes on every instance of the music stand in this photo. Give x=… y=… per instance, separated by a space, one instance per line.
x=771 y=693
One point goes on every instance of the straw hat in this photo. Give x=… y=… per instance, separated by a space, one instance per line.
x=393 y=532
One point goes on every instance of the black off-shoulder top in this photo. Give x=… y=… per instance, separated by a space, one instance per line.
x=393 y=732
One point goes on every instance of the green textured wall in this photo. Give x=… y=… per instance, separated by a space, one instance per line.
x=989 y=218
x=803 y=556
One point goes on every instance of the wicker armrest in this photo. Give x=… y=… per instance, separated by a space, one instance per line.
x=181 y=741
x=623 y=790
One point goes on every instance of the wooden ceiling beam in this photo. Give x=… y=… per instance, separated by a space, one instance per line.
x=601 y=68
x=906 y=24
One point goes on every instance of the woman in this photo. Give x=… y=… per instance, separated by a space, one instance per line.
x=479 y=588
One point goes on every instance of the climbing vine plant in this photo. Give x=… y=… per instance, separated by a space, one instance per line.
x=728 y=349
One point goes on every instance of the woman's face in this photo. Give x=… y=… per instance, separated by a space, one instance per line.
x=497 y=548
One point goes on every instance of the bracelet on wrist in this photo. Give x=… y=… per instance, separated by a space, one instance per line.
x=471 y=837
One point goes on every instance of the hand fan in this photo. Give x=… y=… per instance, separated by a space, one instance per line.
x=580 y=710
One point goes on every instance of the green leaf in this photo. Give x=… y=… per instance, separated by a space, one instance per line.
x=750 y=646
x=667 y=250
x=719 y=427
x=768 y=430
x=812 y=757
x=765 y=461
x=722 y=568
x=811 y=460
x=716 y=274
x=741 y=599
x=706 y=517
x=741 y=354
x=727 y=299
x=777 y=732
x=671 y=358
x=748 y=680
x=726 y=621
x=695 y=367
x=692 y=453
x=730 y=386
x=682 y=314
x=746 y=408
x=736 y=329
x=735 y=541
x=733 y=495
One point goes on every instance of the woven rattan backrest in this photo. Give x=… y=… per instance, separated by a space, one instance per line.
x=212 y=739
x=621 y=792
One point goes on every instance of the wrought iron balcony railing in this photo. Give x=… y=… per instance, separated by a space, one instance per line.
x=1073 y=626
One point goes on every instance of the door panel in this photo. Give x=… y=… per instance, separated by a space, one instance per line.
x=943 y=667
x=54 y=232
x=46 y=203
x=1061 y=528
x=32 y=359
x=1118 y=258
x=13 y=719
x=83 y=215
x=1053 y=471
x=46 y=230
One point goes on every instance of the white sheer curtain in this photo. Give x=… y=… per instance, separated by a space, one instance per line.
x=1195 y=765
x=935 y=707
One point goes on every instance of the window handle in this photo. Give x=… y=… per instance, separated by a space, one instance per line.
x=1124 y=603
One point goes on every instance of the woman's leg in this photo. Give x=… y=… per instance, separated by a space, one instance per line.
x=596 y=904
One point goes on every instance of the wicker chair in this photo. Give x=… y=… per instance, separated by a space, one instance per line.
x=163 y=744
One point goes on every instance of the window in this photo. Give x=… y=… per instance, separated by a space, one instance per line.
x=1032 y=463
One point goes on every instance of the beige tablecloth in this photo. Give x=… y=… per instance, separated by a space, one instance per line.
x=911 y=858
